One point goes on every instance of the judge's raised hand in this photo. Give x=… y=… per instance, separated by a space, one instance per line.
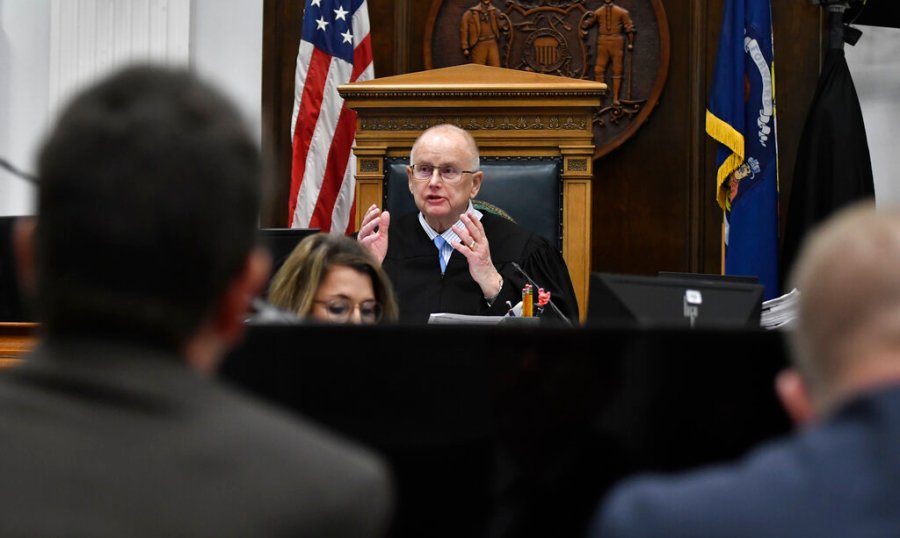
x=474 y=246
x=373 y=233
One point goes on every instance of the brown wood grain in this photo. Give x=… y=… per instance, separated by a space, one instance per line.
x=16 y=340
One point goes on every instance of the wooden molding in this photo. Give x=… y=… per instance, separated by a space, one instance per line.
x=16 y=340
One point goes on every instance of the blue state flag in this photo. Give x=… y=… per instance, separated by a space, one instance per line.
x=741 y=118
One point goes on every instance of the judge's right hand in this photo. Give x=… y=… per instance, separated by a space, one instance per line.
x=373 y=234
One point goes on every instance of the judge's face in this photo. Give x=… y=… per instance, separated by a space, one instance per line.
x=442 y=201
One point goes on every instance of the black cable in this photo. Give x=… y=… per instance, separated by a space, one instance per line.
x=18 y=173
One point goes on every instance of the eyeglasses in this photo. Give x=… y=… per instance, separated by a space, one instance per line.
x=341 y=310
x=450 y=174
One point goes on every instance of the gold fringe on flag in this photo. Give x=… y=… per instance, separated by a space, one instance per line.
x=724 y=133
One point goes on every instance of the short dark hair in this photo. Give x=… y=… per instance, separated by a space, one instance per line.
x=148 y=206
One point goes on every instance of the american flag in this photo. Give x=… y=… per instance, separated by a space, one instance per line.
x=335 y=49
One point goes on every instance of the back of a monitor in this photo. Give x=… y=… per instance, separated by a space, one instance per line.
x=281 y=242
x=619 y=299
x=517 y=426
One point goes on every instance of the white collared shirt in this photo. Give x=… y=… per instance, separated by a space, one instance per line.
x=449 y=235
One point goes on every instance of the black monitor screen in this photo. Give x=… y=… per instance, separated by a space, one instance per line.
x=618 y=299
x=12 y=302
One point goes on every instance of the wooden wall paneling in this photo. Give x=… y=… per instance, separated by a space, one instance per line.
x=800 y=34
x=698 y=197
x=386 y=35
x=641 y=209
x=281 y=36
x=416 y=28
x=401 y=39
x=711 y=255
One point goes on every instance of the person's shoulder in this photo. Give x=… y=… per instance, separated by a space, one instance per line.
x=303 y=461
x=277 y=429
x=747 y=498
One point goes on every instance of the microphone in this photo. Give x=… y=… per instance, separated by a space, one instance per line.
x=536 y=287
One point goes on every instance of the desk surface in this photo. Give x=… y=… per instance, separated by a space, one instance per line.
x=510 y=431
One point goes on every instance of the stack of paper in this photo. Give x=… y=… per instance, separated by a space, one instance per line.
x=444 y=318
x=780 y=311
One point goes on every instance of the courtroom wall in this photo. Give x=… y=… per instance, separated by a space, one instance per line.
x=224 y=43
x=875 y=65
x=653 y=197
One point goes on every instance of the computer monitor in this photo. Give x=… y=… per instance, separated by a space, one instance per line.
x=281 y=242
x=620 y=299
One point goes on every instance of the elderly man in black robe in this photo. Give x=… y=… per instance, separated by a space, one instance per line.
x=449 y=257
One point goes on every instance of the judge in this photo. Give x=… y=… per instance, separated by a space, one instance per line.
x=450 y=257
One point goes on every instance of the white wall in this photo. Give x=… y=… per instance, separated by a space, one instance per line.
x=24 y=93
x=225 y=46
x=875 y=66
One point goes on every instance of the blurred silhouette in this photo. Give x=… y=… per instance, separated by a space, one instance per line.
x=144 y=263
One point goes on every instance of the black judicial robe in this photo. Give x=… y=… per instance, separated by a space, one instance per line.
x=413 y=266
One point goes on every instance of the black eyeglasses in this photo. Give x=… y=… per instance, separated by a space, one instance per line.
x=341 y=310
x=450 y=174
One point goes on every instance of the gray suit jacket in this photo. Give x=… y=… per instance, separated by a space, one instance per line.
x=101 y=439
x=840 y=479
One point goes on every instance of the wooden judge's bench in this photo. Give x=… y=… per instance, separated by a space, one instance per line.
x=510 y=113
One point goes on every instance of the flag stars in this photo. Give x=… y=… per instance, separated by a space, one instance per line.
x=317 y=3
x=340 y=14
x=321 y=23
x=348 y=37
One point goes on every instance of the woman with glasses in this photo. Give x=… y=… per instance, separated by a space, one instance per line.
x=332 y=279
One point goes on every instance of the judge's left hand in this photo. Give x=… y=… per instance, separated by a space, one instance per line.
x=474 y=246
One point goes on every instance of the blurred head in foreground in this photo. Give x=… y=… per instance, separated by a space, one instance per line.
x=846 y=337
x=147 y=214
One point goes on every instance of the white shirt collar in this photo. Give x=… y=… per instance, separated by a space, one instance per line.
x=449 y=235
